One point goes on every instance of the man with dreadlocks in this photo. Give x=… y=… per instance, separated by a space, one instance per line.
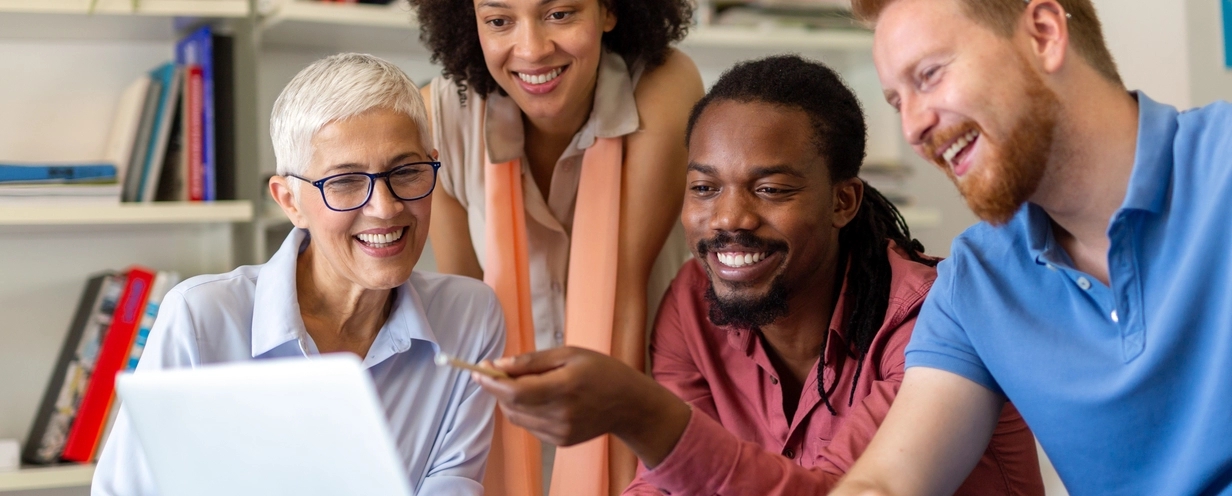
x=785 y=334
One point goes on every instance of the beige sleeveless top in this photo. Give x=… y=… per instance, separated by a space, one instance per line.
x=457 y=129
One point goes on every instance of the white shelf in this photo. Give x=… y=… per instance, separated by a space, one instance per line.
x=177 y=8
x=395 y=15
x=783 y=39
x=58 y=476
x=126 y=213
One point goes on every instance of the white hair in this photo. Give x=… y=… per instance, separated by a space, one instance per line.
x=336 y=88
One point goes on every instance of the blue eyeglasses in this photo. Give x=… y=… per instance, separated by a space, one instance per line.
x=352 y=190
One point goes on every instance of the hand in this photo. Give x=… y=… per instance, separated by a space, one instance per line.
x=565 y=396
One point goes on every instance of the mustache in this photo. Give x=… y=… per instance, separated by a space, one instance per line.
x=743 y=239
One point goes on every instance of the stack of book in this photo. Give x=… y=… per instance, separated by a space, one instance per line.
x=777 y=14
x=106 y=336
x=171 y=138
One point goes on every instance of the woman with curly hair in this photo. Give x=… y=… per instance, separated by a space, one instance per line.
x=560 y=126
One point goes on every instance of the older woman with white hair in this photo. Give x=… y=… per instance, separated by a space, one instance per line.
x=355 y=176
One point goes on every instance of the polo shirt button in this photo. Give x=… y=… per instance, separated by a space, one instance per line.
x=1084 y=283
x=1114 y=317
x=1051 y=267
x=774 y=380
x=788 y=453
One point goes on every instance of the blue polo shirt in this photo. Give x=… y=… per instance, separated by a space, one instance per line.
x=1129 y=386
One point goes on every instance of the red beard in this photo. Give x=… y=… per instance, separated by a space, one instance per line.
x=997 y=187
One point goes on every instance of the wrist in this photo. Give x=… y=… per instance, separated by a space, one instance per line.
x=656 y=422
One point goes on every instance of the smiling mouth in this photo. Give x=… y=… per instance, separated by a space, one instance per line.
x=959 y=145
x=541 y=78
x=381 y=240
x=738 y=259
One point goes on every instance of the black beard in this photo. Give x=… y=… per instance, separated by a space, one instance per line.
x=748 y=313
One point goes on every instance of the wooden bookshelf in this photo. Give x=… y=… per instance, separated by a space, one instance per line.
x=127 y=213
x=779 y=39
x=53 y=477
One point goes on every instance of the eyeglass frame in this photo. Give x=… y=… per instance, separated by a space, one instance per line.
x=320 y=184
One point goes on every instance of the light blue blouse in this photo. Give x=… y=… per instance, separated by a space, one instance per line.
x=441 y=421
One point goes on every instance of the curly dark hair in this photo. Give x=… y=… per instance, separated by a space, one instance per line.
x=840 y=135
x=644 y=31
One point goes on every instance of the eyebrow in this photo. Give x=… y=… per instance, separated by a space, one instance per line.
x=352 y=166
x=503 y=5
x=756 y=172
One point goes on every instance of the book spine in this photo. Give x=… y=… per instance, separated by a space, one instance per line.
x=171 y=76
x=87 y=427
x=162 y=284
x=38 y=441
x=209 y=129
x=194 y=140
x=221 y=47
x=57 y=173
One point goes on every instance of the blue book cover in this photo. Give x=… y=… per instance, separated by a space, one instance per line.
x=198 y=49
x=57 y=173
x=168 y=75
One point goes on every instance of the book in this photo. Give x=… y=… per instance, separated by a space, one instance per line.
x=196 y=50
x=163 y=282
x=87 y=429
x=102 y=194
x=96 y=172
x=172 y=182
x=72 y=369
x=224 y=119
x=122 y=140
x=160 y=132
x=131 y=191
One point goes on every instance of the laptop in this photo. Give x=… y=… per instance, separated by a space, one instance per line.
x=284 y=426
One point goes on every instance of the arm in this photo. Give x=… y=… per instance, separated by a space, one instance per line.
x=935 y=433
x=122 y=468
x=652 y=191
x=457 y=465
x=449 y=229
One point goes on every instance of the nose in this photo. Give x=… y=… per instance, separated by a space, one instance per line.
x=383 y=204
x=534 y=42
x=919 y=120
x=732 y=211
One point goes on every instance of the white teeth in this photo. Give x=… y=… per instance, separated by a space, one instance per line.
x=380 y=240
x=740 y=259
x=958 y=146
x=540 y=78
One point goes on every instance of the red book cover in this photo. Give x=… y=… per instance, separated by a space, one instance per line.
x=194 y=142
x=87 y=428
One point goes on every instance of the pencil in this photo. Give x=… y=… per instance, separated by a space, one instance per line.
x=442 y=359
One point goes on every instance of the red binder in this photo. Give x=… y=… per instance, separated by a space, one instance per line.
x=84 y=436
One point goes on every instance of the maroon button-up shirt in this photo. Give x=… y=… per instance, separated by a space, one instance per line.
x=739 y=440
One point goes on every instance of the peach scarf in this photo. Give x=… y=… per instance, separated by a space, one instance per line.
x=514 y=465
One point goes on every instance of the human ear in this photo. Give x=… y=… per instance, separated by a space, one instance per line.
x=1047 y=27
x=609 y=17
x=282 y=193
x=848 y=195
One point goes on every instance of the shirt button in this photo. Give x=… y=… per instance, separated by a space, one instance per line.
x=788 y=453
x=556 y=287
x=1114 y=317
x=1051 y=266
x=774 y=380
x=1084 y=283
x=560 y=337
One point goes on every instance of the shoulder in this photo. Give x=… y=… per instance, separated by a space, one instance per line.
x=910 y=282
x=219 y=291
x=675 y=83
x=1205 y=134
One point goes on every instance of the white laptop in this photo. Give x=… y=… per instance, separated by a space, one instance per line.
x=299 y=426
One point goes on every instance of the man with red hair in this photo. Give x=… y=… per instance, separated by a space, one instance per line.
x=1095 y=294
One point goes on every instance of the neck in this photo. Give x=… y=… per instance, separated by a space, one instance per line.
x=798 y=337
x=339 y=316
x=1090 y=164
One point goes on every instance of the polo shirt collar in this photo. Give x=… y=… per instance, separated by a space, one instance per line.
x=613 y=114
x=1151 y=178
x=276 y=318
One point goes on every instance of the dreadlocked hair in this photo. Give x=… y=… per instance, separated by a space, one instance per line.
x=840 y=135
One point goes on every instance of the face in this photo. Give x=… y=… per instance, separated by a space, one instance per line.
x=543 y=53
x=760 y=211
x=375 y=246
x=970 y=102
